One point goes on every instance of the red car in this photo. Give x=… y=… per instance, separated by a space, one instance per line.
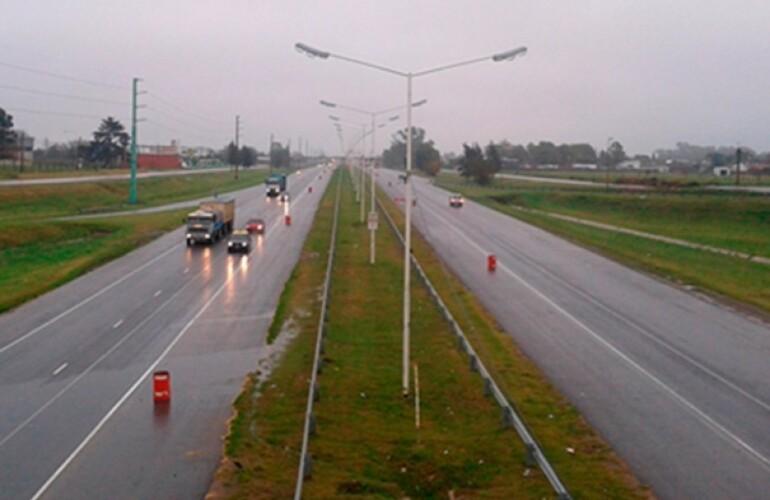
x=255 y=226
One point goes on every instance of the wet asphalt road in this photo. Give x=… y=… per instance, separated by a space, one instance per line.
x=679 y=385
x=77 y=418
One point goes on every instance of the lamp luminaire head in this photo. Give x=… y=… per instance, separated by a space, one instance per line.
x=509 y=55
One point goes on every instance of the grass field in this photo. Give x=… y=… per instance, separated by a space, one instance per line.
x=39 y=253
x=733 y=221
x=367 y=444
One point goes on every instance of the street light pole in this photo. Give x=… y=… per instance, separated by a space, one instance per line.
x=321 y=54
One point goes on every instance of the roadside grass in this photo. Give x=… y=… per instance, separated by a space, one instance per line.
x=367 y=444
x=651 y=178
x=737 y=222
x=593 y=470
x=52 y=200
x=39 y=253
x=36 y=257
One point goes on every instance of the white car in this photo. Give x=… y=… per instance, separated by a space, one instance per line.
x=456 y=200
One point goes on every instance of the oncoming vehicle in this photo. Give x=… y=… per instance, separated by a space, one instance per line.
x=255 y=226
x=239 y=241
x=456 y=200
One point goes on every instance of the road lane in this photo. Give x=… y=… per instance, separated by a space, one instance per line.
x=675 y=382
x=72 y=432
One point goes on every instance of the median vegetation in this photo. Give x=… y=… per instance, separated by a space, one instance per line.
x=731 y=221
x=368 y=443
x=39 y=251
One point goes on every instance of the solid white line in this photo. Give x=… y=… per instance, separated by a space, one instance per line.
x=84 y=302
x=765 y=461
x=128 y=394
x=116 y=325
x=60 y=369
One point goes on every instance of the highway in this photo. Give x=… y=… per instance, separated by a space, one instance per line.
x=77 y=417
x=675 y=382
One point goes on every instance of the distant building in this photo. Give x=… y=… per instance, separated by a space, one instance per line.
x=159 y=157
x=585 y=166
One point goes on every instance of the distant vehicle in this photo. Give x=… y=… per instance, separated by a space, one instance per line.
x=240 y=241
x=255 y=226
x=283 y=197
x=456 y=200
x=275 y=185
x=212 y=221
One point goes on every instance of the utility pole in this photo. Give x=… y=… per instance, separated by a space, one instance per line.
x=270 y=156
x=134 y=107
x=21 y=152
x=237 y=141
x=738 y=154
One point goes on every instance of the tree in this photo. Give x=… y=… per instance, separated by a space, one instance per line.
x=279 y=156
x=233 y=156
x=248 y=156
x=475 y=165
x=616 y=152
x=426 y=157
x=544 y=153
x=109 y=144
x=7 y=135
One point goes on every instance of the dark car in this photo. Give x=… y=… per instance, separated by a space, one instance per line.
x=256 y=226
x=456 y=200
x=239 y=241
x=283 y=197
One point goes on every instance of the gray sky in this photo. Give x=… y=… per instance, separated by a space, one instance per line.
x=648 y=73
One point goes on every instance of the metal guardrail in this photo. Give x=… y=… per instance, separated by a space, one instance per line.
x=534 y=453
x=305 y=464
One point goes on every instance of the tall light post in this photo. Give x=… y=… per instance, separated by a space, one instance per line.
x=373 y=115
x=358 y=181
x=321 y=54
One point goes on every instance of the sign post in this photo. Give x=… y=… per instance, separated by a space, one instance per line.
x=372 y=222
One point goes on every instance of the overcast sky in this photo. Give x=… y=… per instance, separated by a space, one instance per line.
x=648 y=73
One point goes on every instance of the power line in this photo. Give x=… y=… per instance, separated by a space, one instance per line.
x=61 y=77
x=64 y=96
x=55 y=113
x=181 y=109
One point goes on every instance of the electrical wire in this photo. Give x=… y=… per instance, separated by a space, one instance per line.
x=64 y=96
x=62 y=77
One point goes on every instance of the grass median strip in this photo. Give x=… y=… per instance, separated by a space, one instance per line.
x=367 y=444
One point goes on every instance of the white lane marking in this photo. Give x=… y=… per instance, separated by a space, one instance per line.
x=158 y=292
x=765 y=461
x=60 y=369
x=116 y=325
x=128 y=394
x=84 y=301
x=187 y=270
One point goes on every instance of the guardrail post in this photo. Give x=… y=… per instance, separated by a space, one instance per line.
x=307 y=468
x=312 y=424
x=461 y=343
x=529 y=457
x=320 y=365
x=507 y=417
x=487 y=386
x=316 y=393
x=474 y=363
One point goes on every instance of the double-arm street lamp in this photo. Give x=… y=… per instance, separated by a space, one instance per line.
x=321 y=54
x=373 y=115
